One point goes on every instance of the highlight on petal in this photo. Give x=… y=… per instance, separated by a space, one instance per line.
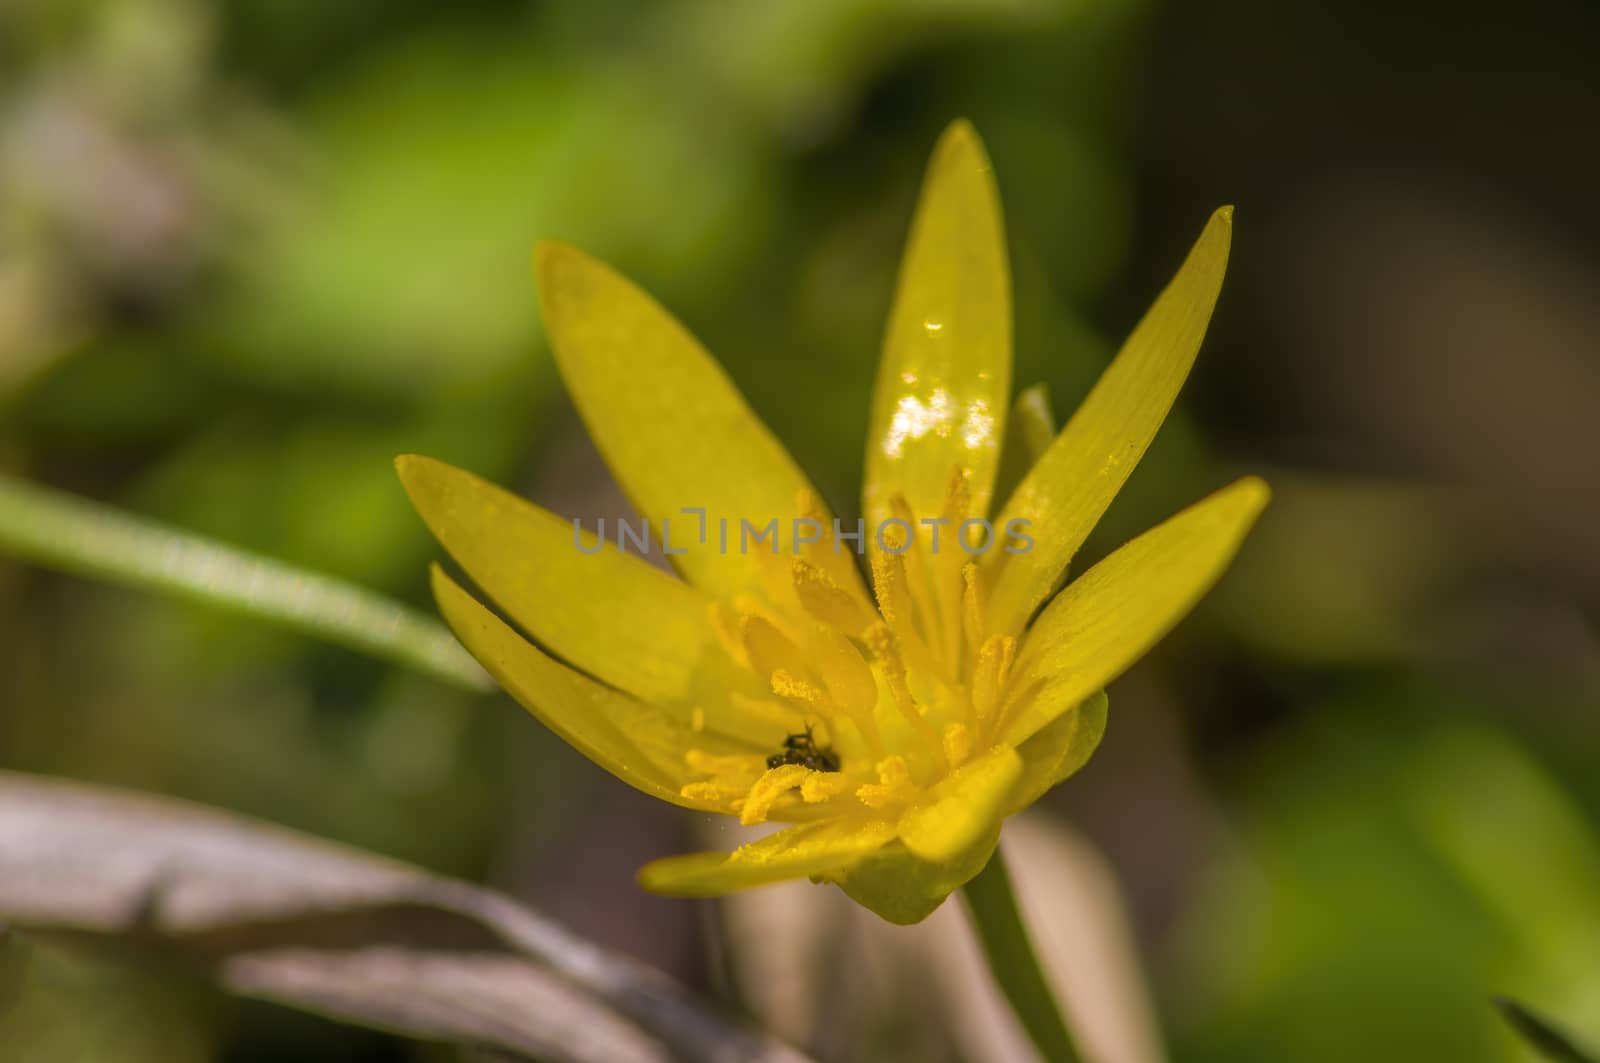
x=1065 y=494
x=636 y=742
x=796 y=852
x=945 y=374
x=1112 y=614
x=614 y=616
x=674 y=430
x=963 y=807
x=1058 y=750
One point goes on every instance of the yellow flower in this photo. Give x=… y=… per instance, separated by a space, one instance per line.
x=895 y=727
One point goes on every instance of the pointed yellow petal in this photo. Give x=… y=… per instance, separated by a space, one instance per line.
x=674 y=430
x=633 y=741
x=945 y=376
x=612 y=615
x=797 y=852
x=1112 y=614
x=1064 y=495
x=963 y=808
x=1058 y=750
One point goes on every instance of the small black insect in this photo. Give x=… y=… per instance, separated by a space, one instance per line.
x=802 y=749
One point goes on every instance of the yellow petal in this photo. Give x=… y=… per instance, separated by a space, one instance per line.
x=945 y=375
x=1030 y=430
x=1058 y=750
x=1112 y=614
x=672 y=427
x=963 y=808
x=612 y=615
x=797 y=852
x=636 y=742
x=1064 y=495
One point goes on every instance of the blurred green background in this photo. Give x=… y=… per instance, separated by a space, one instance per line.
x=250 y=250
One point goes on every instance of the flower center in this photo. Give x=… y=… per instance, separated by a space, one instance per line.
x=892 y=694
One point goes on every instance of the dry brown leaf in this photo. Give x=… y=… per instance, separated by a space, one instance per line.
x=277 y=915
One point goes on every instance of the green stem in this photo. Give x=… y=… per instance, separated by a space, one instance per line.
x=993 y=906
x=62 y=531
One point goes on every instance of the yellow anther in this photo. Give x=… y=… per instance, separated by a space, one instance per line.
x=894 y=784
x=881 y=641
x=971 y=606
x=767 y=790
x=989 y=677
x=847 y=676
x=793 y=689
x=957 y=744
x=945 y=571
x=895 y=536
x=731 y=774
x=889 y=583
x=819 y=786
x=697 y=720
x=824 y=552
x=768 y=649
x=885 y=648
x=826 y=600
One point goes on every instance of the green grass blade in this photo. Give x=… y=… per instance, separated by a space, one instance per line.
x=61 y=531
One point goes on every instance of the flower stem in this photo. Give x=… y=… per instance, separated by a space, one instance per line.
x=1011 y=958
x=49 y=527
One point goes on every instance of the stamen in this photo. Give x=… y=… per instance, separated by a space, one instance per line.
x=768 y=649
x=948 y=564
x=971 y=607
x=847 y=676
x=849 y=687
x=805 y=696
x=731 y=775
x=882 y=642
x=889 y=579
x=820 y=786
x=826 y=600
x=918 y=566
x=894 y=784
x=990 y=675
x=895 y=602
x=957 y=744
x=825 y=553
x=767 y=790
